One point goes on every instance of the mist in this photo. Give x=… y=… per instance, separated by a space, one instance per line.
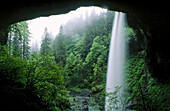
x=74 y=21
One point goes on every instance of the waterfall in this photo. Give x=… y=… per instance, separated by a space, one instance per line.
x=115 y=64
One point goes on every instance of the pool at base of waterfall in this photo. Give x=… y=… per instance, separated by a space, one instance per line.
x=81 y=101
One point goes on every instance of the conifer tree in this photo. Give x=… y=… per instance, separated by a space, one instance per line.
x=16 y=45
x=60 y=48
x=18 y=40
x=25 y=41
x=46 y=41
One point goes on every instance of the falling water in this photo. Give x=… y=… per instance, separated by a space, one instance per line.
x=116 y=62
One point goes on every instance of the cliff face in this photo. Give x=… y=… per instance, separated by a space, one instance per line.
x=150 y=17
x=153 y=33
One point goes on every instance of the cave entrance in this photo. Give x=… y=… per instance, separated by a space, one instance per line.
x=71 y=57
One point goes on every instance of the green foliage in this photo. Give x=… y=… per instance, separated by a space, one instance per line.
x=130 y=35
x=113 y=99
x=18 y=40
x=59 y=48
x=38 y=75
x=146 y=94
x=86 y=55
x=45 y=79
x=141 y=91
x=46 y=41
x=73 y=71
x=96 y=61
x=11 y=68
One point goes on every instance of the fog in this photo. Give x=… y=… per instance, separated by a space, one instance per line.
x=70 y=21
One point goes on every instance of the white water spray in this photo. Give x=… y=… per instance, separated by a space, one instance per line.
x=116 y=62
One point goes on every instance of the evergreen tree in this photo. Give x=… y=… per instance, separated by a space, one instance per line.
x=46 y=42
x=73 y=71
x=96 y=61
x=16 y=45
x=60 y=48
x=25 y=41
x=26 y=48
x=18 y=40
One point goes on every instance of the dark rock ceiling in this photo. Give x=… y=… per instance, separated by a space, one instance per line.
x=16 y=10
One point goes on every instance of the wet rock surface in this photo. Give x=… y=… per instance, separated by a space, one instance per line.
x=80 y=101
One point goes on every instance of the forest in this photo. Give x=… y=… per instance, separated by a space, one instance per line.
x=74 y=60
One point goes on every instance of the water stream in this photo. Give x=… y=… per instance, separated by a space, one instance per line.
x=116 y=62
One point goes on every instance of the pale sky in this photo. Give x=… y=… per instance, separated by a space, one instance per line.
x=53 y=23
